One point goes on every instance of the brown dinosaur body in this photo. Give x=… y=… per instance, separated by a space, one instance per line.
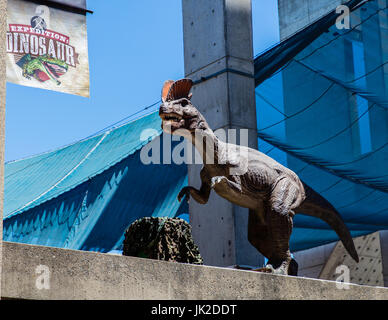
x=248 y=178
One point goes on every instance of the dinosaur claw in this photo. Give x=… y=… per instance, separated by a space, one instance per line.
x=264 y=270
x=184 y=192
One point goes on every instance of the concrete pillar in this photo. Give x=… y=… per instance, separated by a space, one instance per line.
x=218 y=39
x=3 y=26
x=384 y=254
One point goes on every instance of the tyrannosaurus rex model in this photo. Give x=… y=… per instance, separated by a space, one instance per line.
x=272 y=193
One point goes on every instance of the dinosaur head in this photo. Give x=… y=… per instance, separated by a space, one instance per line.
x=177 y=111
x=43 y=68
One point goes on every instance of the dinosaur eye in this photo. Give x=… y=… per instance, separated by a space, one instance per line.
x=184 y=102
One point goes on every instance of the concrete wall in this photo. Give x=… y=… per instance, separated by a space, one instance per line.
x=3 y=20
x=312 y=261
x=70 y=274
x=384 y=254
x=320 y=262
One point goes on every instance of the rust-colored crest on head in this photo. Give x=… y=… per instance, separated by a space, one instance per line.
x=174 y=90
x=166 y=88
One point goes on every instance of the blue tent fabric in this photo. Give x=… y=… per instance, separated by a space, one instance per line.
x=270 y=61
x=322 y=109
x=85 y=195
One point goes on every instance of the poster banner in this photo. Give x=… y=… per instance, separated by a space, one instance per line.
x=47 y=48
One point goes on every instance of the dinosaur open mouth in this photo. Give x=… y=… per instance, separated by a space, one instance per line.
x=54 y=69
x=171 y=122
x=171 y=117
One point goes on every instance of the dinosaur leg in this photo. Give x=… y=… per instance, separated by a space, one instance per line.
x=258 y=233
x=279 y=260
x=284 y=198
x=278 y=214
x=271 y=239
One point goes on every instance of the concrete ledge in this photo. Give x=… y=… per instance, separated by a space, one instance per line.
x=89 y=275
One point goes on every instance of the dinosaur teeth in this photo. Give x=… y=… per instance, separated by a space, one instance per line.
x=54 y=69
x=172 y=118
x=169 y=117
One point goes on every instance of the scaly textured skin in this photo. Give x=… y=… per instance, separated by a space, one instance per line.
x=272 y=193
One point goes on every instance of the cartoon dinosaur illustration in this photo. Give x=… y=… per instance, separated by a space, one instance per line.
x=272 y=193
x=42 y=68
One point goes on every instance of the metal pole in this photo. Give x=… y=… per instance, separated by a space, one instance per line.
x=3 y=26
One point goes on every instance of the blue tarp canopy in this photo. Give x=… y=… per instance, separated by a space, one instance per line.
x=84 y=196
x=322 y=106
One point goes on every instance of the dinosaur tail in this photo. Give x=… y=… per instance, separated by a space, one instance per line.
x=317 y=206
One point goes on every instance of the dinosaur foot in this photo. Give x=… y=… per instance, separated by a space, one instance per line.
x=241 y=267
x=286 y=268
x=270 y=269
x=264 y=270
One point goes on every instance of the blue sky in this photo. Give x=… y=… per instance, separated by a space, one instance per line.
x=127 y=70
